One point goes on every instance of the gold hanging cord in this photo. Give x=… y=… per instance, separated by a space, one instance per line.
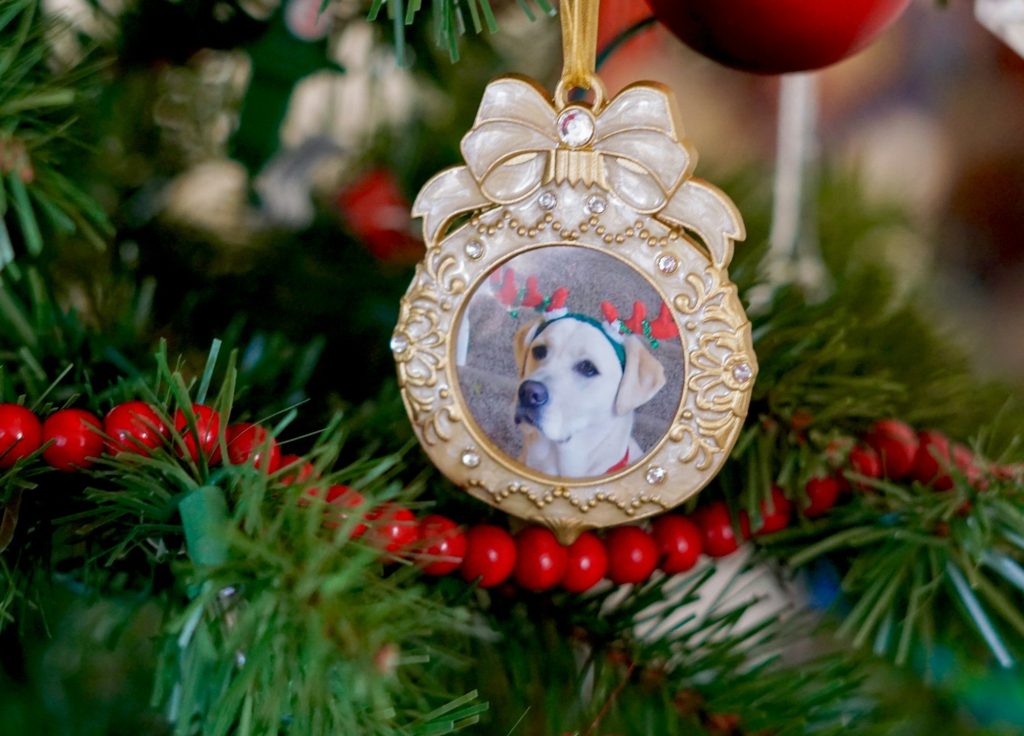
x=579 y=48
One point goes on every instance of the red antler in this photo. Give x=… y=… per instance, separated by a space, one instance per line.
x=533 y=296
x=508 y=292
x=636 y=322
x=664 y=327
x=558 y=299
x=609 y=311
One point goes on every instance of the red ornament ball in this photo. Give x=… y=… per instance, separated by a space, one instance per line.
x=76 y=438
x=540 y=559
x=490 y=556
x=251 y=443
x=133 y=427
x=586 y=563
x=718 y=538
x=632 y=555
x=822 y=494
x=678 y=541
x=21 y=434
x=444 y=545
x=297 y=475
x=933 y=461
x=207 y=424
x=865 y=461
x=775 y=513
x=896 y=444
x=392 y=527
x=339 y=497
x=777 y=36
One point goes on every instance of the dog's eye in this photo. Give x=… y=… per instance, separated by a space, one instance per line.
x=540 y=352
x=586 y=368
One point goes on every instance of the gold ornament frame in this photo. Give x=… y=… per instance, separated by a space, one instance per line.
x=627 y=192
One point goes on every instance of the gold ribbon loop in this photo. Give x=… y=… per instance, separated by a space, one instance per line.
x=579 y=43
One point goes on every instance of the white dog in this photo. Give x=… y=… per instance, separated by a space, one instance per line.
x=578 y=391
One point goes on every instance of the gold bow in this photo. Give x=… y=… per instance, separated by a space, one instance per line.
x=635 y=152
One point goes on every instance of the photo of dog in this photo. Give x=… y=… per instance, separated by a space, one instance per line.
x=561 y=382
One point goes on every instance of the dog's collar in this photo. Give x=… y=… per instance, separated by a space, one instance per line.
x=619 y=465
x=620 y=350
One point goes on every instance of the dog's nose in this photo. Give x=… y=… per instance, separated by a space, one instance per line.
x=533 y=394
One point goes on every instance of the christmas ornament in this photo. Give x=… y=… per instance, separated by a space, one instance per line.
x=21 y=434
x=777 y=36
x=75 y=439
x=571 y=349
x=133 y=427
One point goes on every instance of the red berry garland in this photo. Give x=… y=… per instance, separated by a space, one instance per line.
x=204 y=440
x=896 y=444
x=133 y=427
x=822 y=494
x=75 y=438
x=775 y=513
x=586 y=563
x=392 y=527
x=21 y=434
x=718 y=536
x=632 y=555
x=540 y=560
x=444 y=545
x=250 y=443
x=490 y=556
x=678 y=541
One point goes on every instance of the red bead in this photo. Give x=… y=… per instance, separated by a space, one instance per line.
x=207 y=423
x=777 y=36
x=76 y=438
x=133 y=427
x=775 y=513
x=490 y=556
x=298 y=475
x=586 y=563
x=896 y=444
x=965 y=462
x=540 y=559
x=632 y=555
x=392 y=527
x=339 y=497
x=718 y=538
x=822 y=494
x=444 y=545
x=865 y=461
x=678 y=541
x=933 y=460
x=21 y=434
x=251 y=443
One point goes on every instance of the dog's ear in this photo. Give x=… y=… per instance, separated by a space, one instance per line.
x=523 y=338
x=643 y=377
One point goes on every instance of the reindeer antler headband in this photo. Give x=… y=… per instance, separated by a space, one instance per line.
x=553 y=309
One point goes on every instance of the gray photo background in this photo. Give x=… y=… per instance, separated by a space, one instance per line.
x=489 y=378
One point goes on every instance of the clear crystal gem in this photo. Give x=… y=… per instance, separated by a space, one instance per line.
x=596 y=205
x=399 y=343
x=474 y=249
x=667 y=264
x=547 y=201
x=656 y=475
x=575 y=127
x=742 y=372
x=470 y=458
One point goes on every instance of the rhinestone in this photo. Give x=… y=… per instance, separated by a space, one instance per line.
x=656 y=475
x=575 y=127
x=743 y=372
x=399 y=344
x=470 y=459
x=547 y=201
x=596 y=205
x=667 y=264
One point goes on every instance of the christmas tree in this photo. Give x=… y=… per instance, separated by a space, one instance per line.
x=216 y=518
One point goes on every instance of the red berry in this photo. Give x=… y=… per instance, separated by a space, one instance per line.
x=444 y=545
x=251 y=443
x=20 y=434
x=775 y=513
x=865 y=461
x=822 y=494
x=76 y=439
x=718 y=538
x=392 y=527
x=966 y=463
x=896 y=444
x=298 y=475
x=540 y=559
x=678 y=541
x=932 y=462
x=207 y=423
x=133 y=427
x=490 y=556
x=586 y=563
x=632 y=555
x=338 y=497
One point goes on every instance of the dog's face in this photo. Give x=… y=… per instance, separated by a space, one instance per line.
x=571 y=378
